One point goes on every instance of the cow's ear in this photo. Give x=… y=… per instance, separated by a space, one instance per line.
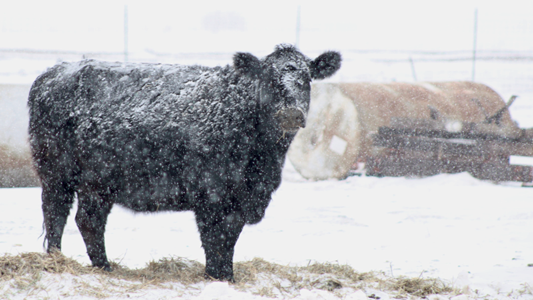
x=325 y=65
x=248 y=65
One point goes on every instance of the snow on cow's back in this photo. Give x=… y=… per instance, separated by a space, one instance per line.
x=201 y=102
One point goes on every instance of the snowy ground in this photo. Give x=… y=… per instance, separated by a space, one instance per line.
x=472 y=234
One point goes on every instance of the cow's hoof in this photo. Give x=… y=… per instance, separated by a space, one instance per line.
x=230 y=279
x=106 y=267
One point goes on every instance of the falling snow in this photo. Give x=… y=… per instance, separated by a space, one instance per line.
x=162 y=137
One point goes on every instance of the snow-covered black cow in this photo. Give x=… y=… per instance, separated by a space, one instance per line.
x=154 y=137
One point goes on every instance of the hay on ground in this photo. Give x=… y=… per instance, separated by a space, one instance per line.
x=257 y=276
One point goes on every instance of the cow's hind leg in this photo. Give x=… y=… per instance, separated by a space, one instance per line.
x=57 y=199
x=91 y=219
x=219 y=234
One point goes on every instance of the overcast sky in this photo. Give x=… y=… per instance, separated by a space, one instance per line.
x=219 y=26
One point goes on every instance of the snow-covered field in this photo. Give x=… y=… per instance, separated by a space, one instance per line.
x=475 y=236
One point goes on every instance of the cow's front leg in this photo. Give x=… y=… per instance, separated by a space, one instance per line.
x=219 y=233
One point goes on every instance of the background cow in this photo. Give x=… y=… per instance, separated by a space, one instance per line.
x=156 y=137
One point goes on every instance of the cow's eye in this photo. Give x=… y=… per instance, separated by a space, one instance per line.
x=290 y=68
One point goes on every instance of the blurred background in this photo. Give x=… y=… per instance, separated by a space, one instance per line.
x=490 y=42
x=381 y=40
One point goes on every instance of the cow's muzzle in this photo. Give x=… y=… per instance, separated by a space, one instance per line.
x=291 y=119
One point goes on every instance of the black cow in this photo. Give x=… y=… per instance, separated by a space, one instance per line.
x=154 y=137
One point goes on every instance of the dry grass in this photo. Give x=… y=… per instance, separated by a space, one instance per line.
x=16 y=168
x=29 y=263
x=330 y=277
x=24 y=273
x=165 y=270
x=420 y=287
x=288 y=279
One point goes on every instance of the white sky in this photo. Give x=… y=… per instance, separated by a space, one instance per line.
x=227 y=26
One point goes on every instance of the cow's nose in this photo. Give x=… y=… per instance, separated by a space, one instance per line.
x=291 y=119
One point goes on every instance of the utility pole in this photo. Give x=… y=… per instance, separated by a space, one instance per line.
x=413 y=68
x=475 y=47
x=297 y=43
x=125 y=33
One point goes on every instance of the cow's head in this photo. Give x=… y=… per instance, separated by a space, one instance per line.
x=284 y=79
